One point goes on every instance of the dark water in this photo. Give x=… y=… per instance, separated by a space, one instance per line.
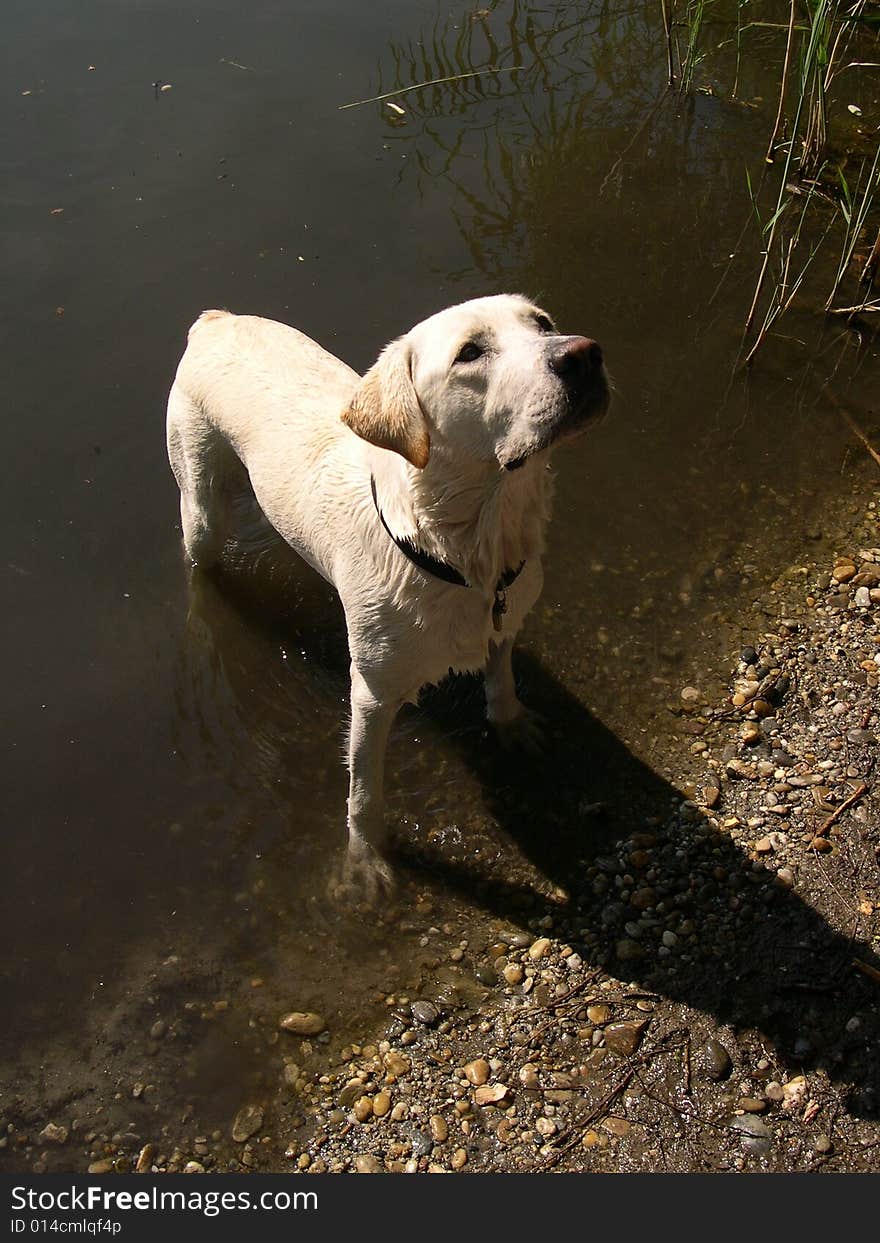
x=173 y=782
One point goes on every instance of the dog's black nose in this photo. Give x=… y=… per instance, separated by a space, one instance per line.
x=577 y=360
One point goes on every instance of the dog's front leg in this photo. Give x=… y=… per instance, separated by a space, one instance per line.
x=371 y=721
x=514 y=723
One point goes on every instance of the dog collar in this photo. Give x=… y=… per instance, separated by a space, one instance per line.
x=443 y=570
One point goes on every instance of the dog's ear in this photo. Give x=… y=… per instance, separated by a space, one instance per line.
x=385 y=408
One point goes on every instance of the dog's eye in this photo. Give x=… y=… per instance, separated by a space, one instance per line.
x=545 y=324
x=469 y=353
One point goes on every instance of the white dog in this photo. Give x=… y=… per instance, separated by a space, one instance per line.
x=420 y=491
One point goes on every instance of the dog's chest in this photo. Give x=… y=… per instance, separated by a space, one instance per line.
x=456 y=635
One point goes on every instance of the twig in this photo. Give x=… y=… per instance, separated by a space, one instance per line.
x=870 y=269
x=866 y=969
x=417 y=86
x=665 y=1045
x=236 y=64
x=572 y=992
x=864 y=308
x=769 y=156
x=594 y=1113
x=851 y=423
x=835 y=815
x=667 y=30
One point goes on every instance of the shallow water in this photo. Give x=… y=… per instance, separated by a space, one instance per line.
x=174 y=779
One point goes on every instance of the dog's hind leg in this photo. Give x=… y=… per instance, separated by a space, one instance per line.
x=206 y=468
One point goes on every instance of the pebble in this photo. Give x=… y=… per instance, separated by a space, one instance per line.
x=513 y=973
x=793 y=1093
x=425 y=1012
x=381 y=1104
x=349 y=1094
x=158 y=1030
x=713 y=1060
x=690 y=696
x=485 y=974
x=624 y=1038
x=751 y=1104
x=598 y=1014
x=642 y=899
x=366 y=1163
x=247 y=1122
x=302 y=1023
x=145 y=1159
x=459 y=1158
x=755 y=1133
x=101 y=1167
x=53 y=1134
x=711 y=791
x=396 y=1064
x=477 y=1072
x=824 y=1143
x=491 y=1094
x=528 y=1076
x=439 y=1129
x=193 y=1167
x=363 y=1108
x=538 y=949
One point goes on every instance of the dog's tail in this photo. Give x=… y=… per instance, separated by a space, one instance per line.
x=205 y=318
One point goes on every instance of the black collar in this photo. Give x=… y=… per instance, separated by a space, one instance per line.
x=418 y=556
x=443 y=570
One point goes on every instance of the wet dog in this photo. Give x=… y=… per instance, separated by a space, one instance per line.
x=420 y=491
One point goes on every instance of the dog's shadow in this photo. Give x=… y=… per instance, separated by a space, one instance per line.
x=590 y=824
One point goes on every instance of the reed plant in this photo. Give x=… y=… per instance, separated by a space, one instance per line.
x=819 y=188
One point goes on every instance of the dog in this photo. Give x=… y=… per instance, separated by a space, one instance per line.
x=420 y=491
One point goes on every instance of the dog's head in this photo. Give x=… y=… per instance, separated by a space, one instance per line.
x=490 y=379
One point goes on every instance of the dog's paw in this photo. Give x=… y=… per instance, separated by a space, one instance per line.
x=525 y=732
x=364 y=878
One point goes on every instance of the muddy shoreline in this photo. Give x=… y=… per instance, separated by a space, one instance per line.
x=686 y=979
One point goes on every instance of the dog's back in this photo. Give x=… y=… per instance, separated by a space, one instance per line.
x=252 y=395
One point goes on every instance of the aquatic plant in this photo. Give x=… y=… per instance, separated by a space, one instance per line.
x=812 y=199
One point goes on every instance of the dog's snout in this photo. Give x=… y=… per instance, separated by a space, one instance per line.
x=578 y=359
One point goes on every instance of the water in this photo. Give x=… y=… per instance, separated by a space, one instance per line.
x=174 y=789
